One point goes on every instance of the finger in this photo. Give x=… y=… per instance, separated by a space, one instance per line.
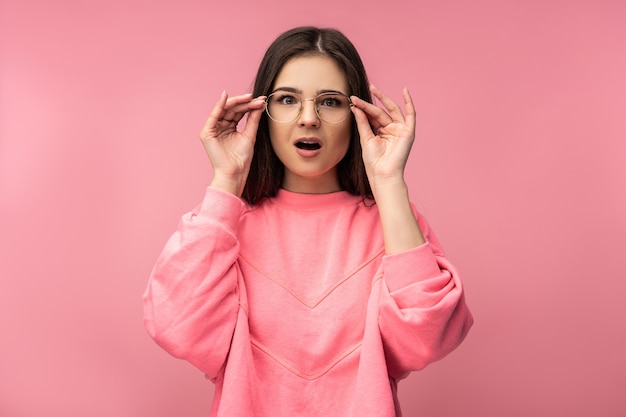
x=362 y=123
x=394 y=110
x=377 y=116
x=236 y=100
x=215 y=115
x=409 y=107
x=252 y=124
x=235 y=112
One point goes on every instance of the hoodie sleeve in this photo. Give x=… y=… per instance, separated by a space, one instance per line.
x=192 y=301
x=423 y=314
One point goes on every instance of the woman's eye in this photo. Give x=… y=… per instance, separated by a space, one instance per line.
x=330 y=102
x=333 y=100
x=287 y=100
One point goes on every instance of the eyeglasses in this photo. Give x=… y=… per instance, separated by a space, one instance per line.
x=285 y=107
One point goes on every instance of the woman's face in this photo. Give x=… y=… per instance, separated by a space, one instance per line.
x=310 y=148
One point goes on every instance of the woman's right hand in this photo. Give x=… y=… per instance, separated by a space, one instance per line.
x=230 y=151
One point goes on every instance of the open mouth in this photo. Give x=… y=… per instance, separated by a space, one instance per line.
x=309 y=146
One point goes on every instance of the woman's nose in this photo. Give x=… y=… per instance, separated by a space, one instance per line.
x=308 y=115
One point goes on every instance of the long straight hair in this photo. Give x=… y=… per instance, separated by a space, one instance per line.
x=266 y=170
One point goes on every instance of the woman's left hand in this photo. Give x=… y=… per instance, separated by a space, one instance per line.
x=387 y=135
x=385 y=154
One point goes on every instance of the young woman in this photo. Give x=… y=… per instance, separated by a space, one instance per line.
x=305 y=283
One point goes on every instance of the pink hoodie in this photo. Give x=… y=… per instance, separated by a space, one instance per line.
x=292 y=307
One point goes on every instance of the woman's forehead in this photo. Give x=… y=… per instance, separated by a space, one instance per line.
x=311 y=75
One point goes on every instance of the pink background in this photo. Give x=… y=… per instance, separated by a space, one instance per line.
x=519 y=165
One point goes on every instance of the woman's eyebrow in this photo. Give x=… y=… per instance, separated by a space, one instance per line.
x=331 y=92
x=298 y=91
x=288 y=89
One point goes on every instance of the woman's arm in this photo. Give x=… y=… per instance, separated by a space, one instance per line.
x=423 y=315
x=192 y=300
x=401 y=230
x=387 y=136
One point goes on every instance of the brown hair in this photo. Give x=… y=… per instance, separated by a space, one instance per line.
x=266 y=170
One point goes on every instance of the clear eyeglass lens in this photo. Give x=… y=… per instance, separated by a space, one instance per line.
x=285 y=107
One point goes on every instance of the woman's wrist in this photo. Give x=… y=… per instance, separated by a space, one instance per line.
x=230 y=184
x=401 y=230
x=388 y=184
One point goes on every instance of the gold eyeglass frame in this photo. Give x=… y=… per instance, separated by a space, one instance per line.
x=314 y=100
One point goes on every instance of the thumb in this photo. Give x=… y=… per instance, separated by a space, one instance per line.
x=362 y=124
x=252 y=124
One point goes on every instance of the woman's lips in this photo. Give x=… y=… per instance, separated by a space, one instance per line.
x=308 y=147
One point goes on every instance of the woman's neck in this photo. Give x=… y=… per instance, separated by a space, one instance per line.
x=323 y=184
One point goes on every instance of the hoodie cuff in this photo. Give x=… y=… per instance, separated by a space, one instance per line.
x=411 y=266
